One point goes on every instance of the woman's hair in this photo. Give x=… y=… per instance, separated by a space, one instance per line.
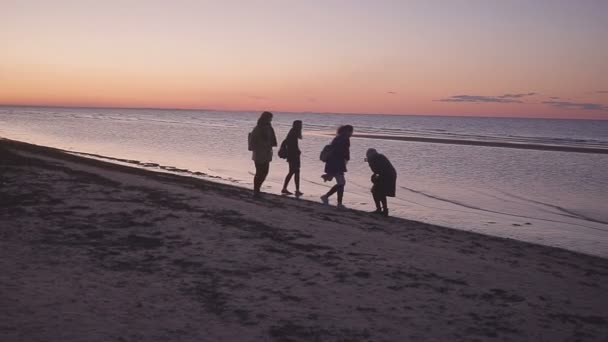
x=345 y=129
x=297 y=128
x=265 y=119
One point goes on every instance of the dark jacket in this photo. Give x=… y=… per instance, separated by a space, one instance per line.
x=386 y=176
x=340 y=154
x=263 y=140
x=293 y=149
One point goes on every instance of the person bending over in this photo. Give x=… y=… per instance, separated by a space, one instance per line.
x=384 y=179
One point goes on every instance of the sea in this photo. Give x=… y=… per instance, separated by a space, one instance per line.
x=543 y=181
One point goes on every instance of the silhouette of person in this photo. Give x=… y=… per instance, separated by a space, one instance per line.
x=384 y=178
x=261 y=142
x=335 y=166
x=293 y=157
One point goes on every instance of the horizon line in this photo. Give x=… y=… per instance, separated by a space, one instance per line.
x=293 y=112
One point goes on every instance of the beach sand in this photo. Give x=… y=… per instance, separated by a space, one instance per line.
x=92 y=251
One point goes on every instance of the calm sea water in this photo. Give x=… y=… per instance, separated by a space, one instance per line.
x=549 y=197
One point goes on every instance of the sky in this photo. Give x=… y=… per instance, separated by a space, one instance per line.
x=515 y=58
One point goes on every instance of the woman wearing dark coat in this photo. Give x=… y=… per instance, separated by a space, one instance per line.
x=261 y=142
x=335 y=166
x=293 y=157
x=384 y=179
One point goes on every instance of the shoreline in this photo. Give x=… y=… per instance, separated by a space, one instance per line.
x=152 y=169
x=524 y=146
x=132 y=164
x=186 y=258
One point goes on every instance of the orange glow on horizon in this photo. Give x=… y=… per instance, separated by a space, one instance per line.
x=406 y=58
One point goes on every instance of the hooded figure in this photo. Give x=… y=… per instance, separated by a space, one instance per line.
x=384 y=178
x=335 y=166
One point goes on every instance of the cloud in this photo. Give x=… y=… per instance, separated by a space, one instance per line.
x=515 y=96
x=391 y=92
x=554 y=97
x=506 y=98
x=602 y=91
x=478 y=99
x=576 y=105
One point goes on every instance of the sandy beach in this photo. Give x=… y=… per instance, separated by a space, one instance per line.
x=94 y=251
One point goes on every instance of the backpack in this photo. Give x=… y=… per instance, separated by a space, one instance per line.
x=283 y=150
x=326 y=153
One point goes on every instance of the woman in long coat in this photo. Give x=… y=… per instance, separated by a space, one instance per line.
x=384 y=179
x=261 y=142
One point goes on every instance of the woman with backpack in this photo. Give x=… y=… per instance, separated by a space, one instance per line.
x=291 y=151
x=261 y=141
x=336 y=155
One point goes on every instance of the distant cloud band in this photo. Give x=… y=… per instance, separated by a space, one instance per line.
x=518 y=98
x=576 y=105
x=506 y=98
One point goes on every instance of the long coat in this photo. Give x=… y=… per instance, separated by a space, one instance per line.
x=385 y=174
x=340 y=154
x=263 y=140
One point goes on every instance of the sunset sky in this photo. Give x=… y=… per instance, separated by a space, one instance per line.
x=524 y=58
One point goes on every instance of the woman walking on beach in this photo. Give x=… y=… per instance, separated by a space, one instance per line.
x=384 y=179
x=292 y=153
x=335 y=163
x=261 y=141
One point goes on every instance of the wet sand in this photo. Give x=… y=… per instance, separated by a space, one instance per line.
x=93 y=251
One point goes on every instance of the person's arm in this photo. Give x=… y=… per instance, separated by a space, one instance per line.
x=374 y=165
x=273 y=138
x=292 y=140
x=256 y=141
x=347 y=150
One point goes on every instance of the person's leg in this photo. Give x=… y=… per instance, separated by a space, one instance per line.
x=377 y=199
x=384 y=203
x=288 y=179
x=332 y=191
x=380 y=187
x=265 y=169
x=256 y=178
x=341 y=180
x=340 y=193
x=261 y=171
x=297 y=180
